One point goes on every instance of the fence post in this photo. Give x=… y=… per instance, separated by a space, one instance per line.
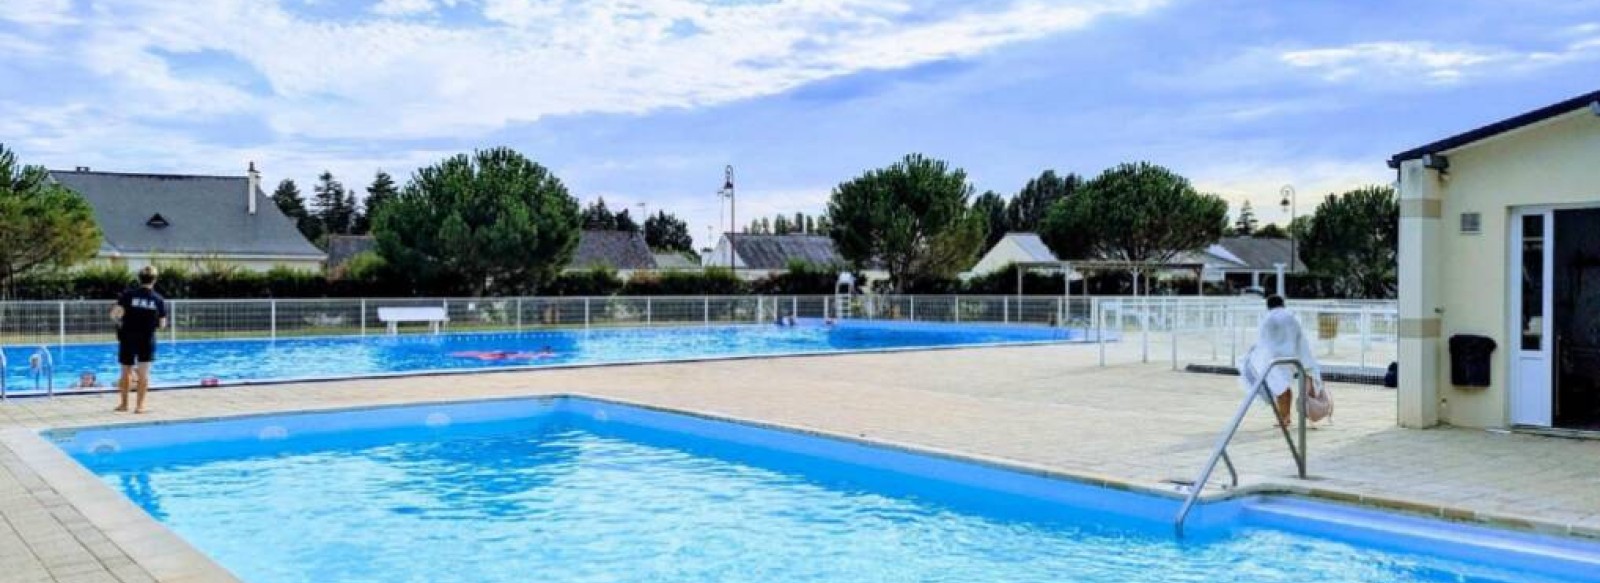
x=1172 y=328
x=61 y=313
x=1061 y=320
x=913 y=307
x=794 y=307
x=1144 y=332
x=1100 y=328
x=958 y=309
x=519 y=314
x=1365 y=329
x=648 y=319
x=363 y=316
x=707 y=307
x=172 y=323
x=272 y=315
x=585 y=313
x=1005 y=309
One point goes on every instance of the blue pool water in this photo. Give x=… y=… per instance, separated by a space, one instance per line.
x=569 y=489
x=189 y=362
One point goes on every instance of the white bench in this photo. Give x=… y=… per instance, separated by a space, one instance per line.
x=393 y=317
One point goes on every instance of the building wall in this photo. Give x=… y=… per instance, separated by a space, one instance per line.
x=1462 y=282
x=137 y=262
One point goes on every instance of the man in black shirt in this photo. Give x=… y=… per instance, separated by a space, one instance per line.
x=139 y=312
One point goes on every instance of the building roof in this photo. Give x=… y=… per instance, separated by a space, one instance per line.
x=342 y=247
x=674 y=261
x=777 y=251
x=1253 y=254
x=1031 y=245
x=614 y=249
x=199 y=215
x=1497 y=128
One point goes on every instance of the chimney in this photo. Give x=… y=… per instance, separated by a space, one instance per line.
x=255 y=184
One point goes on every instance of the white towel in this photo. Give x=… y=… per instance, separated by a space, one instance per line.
x=1279 y=336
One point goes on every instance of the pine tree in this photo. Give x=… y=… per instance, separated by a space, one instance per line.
x=624 y=222
x=382 y=190
x=288 y=198
x=811 y=225
x=1245 y=225
x=329 y=205
x=596 y=217
x=780 y=225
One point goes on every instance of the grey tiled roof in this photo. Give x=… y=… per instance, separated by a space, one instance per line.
x=205 y=215
x=674 y=261
x=776 y=251
x=616 y=249
x=342 y=247
x=1258 y=254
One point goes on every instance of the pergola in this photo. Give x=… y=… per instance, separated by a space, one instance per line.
x=1087 y=266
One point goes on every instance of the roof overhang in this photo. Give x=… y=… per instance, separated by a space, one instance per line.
x=1583 y=103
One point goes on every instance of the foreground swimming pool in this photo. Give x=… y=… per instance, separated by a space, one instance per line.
x=567 y=489
x=231 y=361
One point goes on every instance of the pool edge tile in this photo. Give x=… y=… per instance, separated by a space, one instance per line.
x=148 y=543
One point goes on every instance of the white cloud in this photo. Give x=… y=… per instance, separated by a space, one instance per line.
x=1391 y=58
x=538 y=58
x=38 y=12
x=1427 y=62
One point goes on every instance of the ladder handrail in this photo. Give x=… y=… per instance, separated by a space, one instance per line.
x=1221 y=450
x=3 y=373
x=47 y=368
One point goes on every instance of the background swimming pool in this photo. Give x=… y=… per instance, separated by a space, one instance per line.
x=579 y=490
x=188 y=362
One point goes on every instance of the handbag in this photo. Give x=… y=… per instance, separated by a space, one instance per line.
x=1319 y=404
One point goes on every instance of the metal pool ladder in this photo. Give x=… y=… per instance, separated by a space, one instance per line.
x=2 y=375
x=1220 y=452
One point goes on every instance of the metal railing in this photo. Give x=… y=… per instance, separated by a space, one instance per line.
x=1220 y=452
x=1179 y=330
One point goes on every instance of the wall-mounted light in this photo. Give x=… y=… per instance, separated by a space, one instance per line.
x=1594 y=107
x=1435 y=162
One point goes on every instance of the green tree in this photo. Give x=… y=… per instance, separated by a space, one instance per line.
x=330 y=204
x=1353 y=239
x=1271 y=231
x=1135 y=212
x=911 y=216
x=42 y=224
x=780 y=225
x=289 y=200
x=596 y=217
x=992 y=207
x=1029 y=207
x=665 y=232
x=381 y=191
x=624 y=222
x=1245 y=224
x=490 y=220
x=811 y=225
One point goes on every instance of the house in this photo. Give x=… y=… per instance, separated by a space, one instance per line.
x=1500 y=242
x=1010 y=249
x=191 y=220
x=624 y=251
x=1242 y=261
x=758 y=256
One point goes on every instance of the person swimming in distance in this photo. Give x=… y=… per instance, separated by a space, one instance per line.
x=546 y=352
x=87 y=380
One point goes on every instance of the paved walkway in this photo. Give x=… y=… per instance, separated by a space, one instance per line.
x=1045 y=406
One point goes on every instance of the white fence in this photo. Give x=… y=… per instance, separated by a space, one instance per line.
x=1145 y=329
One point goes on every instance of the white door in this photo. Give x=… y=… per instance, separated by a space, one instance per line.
x=1532 y=283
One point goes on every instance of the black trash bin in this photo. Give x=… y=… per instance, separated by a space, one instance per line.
x=1469 y=360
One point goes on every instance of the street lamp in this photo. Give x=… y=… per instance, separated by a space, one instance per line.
x=1289 y=203
x=733 y=220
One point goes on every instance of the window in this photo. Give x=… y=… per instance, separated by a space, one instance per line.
x=1471 y=223
x=1533 y=282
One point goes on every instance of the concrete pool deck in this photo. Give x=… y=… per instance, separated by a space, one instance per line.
x=1045 y=407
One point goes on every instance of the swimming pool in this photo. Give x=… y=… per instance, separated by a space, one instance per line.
x=570 y=489
x=232 y=361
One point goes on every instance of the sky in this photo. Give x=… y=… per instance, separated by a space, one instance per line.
x=646 y=101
